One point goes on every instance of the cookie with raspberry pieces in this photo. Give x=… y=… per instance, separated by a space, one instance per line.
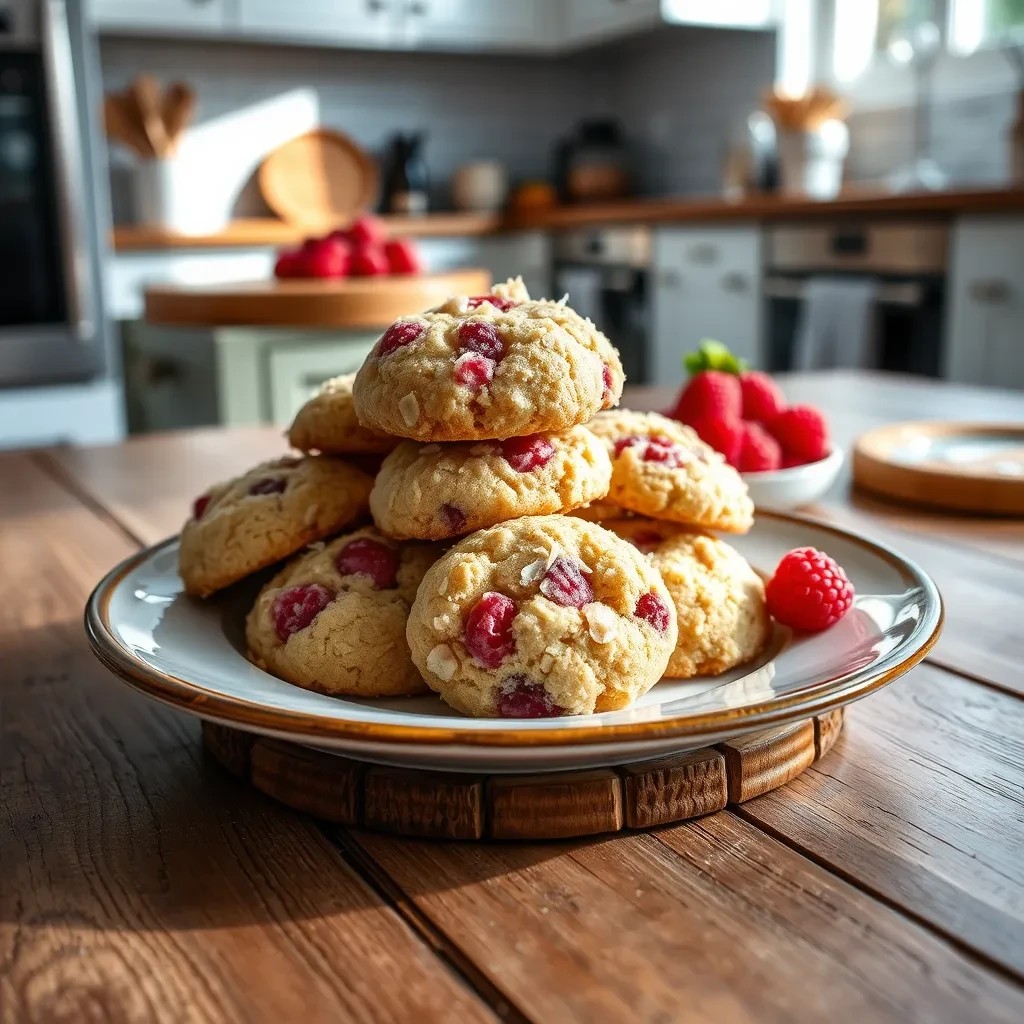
x=333 y=620
x=540 y=617
x=484 y=367
x=435 y=491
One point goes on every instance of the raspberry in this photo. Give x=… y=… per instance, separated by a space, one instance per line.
x=487 y=632
x=711 y=395
x=520 y=697
x=481 y=337
x=269 y=485
x=526 y=453
x=652 y=609
x=473 y=370
x=809 y=591
x=725 y=436
x=656 y=448
x=608 y=386
x=760 y=452
x=565 y=584
x=296 y=607
x=802 y=432
x=199 y=506
x=404 y=332
x=369 y=261
x=626 y=442
x=365 y=231
x=762 y=397
x=289 y=264
x=498 y=303
x=403 y=256
x=453 y=519
x=365 y=556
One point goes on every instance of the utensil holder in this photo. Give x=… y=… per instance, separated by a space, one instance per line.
x=172 y=194
x=811 y=162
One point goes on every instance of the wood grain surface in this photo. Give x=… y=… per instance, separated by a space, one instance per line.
x=882 y=884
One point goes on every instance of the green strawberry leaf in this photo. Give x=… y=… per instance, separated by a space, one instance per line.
x=712 y=355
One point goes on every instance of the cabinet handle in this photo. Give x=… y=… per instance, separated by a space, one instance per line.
x=201 y=3
x=735 y=282
x=375 y=6
x=703 y=254
x=993 y=290
x=417 y=8
x=670 y=279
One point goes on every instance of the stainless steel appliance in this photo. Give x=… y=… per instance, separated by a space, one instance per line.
x=606 y=272
x=51 y=320
x=907 y=260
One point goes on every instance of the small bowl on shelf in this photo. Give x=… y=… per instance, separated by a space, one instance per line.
x=782 y=489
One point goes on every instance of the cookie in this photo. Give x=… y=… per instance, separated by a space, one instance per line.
x=333 y=620
x=542 y=616
x=327 y=423
x=662 y=469
x=433 y=491
x=483 y=367
x=600 y=510
x=265 y=515
x=719 y=598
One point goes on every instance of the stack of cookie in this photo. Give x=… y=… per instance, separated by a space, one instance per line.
x=480 y=426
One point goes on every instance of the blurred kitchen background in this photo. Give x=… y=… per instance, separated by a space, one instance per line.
x=814 y=182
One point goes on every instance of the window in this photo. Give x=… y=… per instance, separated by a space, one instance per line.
x=976 y=24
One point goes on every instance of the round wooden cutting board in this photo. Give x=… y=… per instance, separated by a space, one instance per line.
x=445 y=805
x=967 y=467
x=358 y=302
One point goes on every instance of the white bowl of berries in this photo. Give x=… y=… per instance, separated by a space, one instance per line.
x=783 y=451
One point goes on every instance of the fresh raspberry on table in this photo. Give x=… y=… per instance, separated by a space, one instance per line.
x=809 y=591
x=724 y=435
x=759 y=451
x=403 y=257
x=802 y=432
x=762 y=397
x=711 y=395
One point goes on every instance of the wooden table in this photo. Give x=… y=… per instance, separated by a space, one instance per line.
x=142 y=883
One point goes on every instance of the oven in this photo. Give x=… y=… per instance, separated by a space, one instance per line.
x=51 y=322
x=906 y=265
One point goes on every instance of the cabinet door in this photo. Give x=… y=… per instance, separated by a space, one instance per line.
x=368 y=23
x=585 y=20
x=296 y=371
x=984 y=341
x=723 y=13
x=181 y=15
x=475 y=24
x=707 y=284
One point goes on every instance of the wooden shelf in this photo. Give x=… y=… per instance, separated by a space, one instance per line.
x=271 y=232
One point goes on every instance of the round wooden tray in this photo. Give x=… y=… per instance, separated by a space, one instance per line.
x=442 y=805
x=362 y=302
x=945 y=465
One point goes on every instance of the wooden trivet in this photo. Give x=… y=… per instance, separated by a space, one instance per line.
x=445 y=805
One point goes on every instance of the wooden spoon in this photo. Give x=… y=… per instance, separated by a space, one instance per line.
x=144 y=92
x=177 y=110
x=122 y=127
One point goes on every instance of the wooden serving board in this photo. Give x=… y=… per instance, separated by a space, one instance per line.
x=967 y=467
x=351 y=303
x=445 y=805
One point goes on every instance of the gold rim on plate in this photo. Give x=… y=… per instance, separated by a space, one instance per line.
x=826 y=695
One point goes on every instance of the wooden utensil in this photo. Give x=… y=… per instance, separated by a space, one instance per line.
x=177 y=110
x=319 y=179
x=144 y=93
x=122 y=127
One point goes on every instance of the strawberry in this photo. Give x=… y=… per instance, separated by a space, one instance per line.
x=366 y=231
x=369 y=262
x=403 y=257
x=724 y=435
x=710 y=395
x=759 y=451
x=802 y=432
x=762 y=397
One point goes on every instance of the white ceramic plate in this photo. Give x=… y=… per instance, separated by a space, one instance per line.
x=190 y=654
x=783 y=489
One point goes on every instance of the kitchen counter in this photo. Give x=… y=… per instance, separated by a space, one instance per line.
x=271 y=232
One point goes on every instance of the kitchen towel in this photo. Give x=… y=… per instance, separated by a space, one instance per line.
x=583 y=285
x=836 y=327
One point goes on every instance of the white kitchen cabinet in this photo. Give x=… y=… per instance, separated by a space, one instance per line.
x=721 y=13
x=984 y=336
x=191 y=16
x=707 y=284
x=586 y=21
x=476 y=24
x=361 y=23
